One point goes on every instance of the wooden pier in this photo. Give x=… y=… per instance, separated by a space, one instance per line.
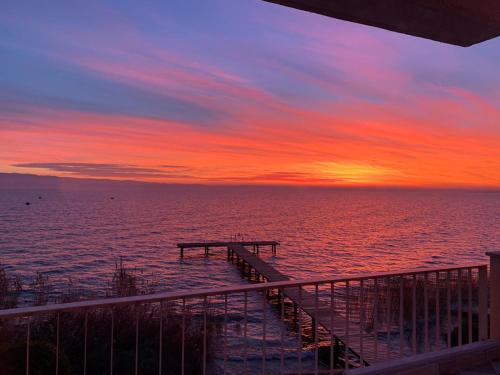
x=227 y=244
x=361 y=343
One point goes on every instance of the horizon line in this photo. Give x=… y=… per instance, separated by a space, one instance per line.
x=78 y=179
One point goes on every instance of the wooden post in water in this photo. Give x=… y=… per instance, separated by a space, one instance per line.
x=313 y=330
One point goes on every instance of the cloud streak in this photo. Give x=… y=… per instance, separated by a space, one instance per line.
x=109 y=170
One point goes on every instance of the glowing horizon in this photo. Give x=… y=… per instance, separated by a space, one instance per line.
x=241 y=93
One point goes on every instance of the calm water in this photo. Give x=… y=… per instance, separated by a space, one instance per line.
x=322 y=231
x=327 y=232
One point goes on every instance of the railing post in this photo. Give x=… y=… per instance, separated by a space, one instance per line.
x=483 y=303
x=494 y=294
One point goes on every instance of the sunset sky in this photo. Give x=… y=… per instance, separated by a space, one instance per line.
x=240 y=92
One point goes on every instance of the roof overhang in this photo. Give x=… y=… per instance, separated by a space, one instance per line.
x=458 y=22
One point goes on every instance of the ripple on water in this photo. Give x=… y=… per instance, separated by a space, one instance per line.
x=323 y=231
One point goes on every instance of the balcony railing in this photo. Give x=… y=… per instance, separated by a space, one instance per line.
x=299 y=326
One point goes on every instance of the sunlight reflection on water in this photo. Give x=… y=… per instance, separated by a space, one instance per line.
x=323 y=232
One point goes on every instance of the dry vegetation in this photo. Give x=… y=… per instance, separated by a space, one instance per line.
x=10 y=289
x=437 y=295
x=43 y=335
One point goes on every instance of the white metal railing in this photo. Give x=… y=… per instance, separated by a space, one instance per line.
x=303 y=326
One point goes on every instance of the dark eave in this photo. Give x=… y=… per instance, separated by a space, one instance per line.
x=458 y=22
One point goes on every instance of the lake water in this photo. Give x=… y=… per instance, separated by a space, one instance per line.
x=323 y=232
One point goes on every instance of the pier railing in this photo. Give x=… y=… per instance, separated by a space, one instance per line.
x=297 y=326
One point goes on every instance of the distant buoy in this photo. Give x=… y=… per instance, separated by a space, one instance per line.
x=40 y=197
x=112 y=198
x=28 y=203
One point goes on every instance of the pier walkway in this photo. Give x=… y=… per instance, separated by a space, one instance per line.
x=363 y=345
x=255 y=262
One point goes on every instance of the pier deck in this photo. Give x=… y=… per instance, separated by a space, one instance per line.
x=347 y=330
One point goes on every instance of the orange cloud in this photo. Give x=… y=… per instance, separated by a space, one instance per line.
x=312 y=149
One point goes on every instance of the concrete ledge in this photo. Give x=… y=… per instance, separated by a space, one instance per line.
x=444 y=362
